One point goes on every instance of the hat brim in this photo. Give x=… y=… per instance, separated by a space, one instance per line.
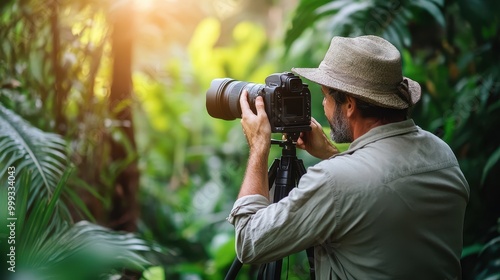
x=380 y=98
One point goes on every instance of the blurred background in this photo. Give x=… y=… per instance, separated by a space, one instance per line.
x=122 y=174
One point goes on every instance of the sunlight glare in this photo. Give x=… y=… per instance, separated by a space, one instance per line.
x=145 y=5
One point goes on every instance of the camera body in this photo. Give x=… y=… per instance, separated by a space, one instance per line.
x=287 y=101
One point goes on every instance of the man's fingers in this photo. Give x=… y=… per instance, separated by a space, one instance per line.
x=300 y=142
x=314 y=122
x=245 y=107
x=259 y=105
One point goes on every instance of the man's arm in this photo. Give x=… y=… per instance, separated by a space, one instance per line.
x=258 y=133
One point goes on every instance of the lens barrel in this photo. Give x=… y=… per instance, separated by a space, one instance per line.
x=223 y=97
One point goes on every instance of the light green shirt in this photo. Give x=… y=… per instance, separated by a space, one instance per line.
x=390 y=207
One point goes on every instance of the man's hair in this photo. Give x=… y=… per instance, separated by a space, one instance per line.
x=369 y=110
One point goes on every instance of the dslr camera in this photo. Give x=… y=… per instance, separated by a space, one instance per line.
x=287 y=101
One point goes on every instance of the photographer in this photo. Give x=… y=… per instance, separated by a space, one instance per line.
x=390 y=207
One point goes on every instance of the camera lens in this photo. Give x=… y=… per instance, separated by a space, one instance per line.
x=223 y=97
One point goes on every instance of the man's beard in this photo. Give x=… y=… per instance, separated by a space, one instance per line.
x=340 y=130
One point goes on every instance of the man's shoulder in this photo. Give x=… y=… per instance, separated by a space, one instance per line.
x=346 y=171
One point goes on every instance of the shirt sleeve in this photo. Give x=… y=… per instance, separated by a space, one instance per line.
x=266 y=231
x=245 y=207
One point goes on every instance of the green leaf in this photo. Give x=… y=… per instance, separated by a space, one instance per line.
x=432 y=8
x=344 y=15
x=25 y=141
x=488 y=261
x=224 y=254
x=304 y=18
x=85 y=251
x=490 y=163
x=22 y=192
x=472 y=249
x=154 y=273
x=400 y=25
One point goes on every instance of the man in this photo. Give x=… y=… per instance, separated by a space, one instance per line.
x=390 y=207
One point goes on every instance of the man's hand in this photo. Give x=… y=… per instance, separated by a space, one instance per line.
x=255 y=126
x=316 y=143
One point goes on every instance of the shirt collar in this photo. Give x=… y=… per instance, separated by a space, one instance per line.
x=381 y=132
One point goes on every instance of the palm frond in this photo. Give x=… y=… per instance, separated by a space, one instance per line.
x=304 y=17
x=54 y=248
x=85 y=251
x=387 y=19
x=28 y=148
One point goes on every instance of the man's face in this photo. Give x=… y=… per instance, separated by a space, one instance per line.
x=339 y=124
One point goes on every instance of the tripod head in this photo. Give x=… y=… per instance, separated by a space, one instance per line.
x=288 y=141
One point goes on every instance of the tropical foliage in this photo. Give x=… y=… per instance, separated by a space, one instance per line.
x=44 y=243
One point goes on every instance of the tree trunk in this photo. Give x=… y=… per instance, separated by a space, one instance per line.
x=60 y=94
x=124 y=209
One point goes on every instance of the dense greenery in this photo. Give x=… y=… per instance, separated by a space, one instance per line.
x=56 y=75
x=44 y=242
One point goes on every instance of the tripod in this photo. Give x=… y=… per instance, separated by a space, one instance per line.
x=284 y=174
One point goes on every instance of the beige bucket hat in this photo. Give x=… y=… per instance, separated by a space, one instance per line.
x=367 y=67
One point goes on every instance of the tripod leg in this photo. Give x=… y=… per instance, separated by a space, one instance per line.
x=310 y=257
x=299 y=168
x=233 y=270
x=272 y=172
x=270 y=271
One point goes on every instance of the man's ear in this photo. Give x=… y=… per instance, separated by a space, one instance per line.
x=350 y=106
